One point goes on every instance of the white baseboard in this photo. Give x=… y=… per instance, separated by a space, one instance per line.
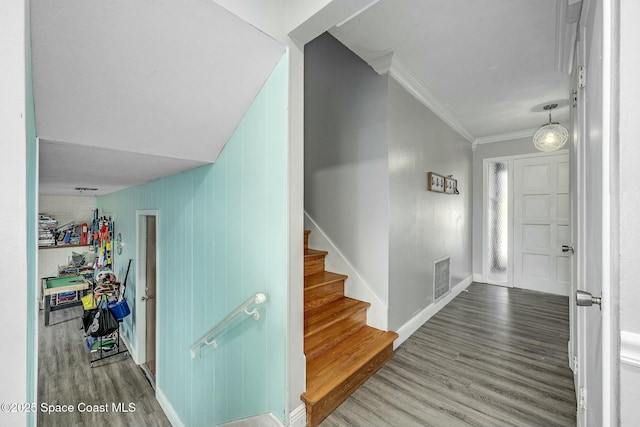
x=171 y=414
x=406 y=330
x=630 y=348
x=262 y=420
x=298 y=417
x=132 y=352
x=478 y=278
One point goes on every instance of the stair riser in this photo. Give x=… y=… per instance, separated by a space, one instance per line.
x=313 y=265
x=318 y=411
x=343 y=325
x=323 y=294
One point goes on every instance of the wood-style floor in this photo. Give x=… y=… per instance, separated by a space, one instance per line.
x=492 y=357
x=65 y=378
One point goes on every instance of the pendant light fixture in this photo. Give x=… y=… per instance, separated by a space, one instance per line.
x=551 y=136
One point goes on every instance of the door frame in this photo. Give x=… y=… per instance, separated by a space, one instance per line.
x=141 y=282
x=510 y=195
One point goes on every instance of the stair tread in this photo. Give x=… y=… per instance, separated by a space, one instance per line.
x=323 y=316
x=309 y=253
x=329 y=370
x=323 y=340
x=322 y=278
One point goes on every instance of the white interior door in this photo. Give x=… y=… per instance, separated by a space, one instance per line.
x=592 y=335
x=542 y=224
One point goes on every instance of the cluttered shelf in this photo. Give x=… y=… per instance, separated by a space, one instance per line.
x=61 y=246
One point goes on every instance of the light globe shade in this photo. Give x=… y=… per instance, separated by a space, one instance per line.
x=550 y=137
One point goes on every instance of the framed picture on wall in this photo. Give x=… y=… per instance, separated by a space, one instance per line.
x=435 y=182
x=451 y=185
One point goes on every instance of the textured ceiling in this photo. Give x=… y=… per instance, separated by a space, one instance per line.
x=489 y=62
x=167 y=78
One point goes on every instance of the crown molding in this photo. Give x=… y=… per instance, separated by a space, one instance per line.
x=392 y=65
x=525 y=133
x=382 y=65
x=567 y=17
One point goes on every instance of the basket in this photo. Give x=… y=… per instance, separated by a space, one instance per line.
x=120 y=309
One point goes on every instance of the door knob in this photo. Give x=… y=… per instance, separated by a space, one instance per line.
x=585 y=299
x=566 y=248
x=146 y=297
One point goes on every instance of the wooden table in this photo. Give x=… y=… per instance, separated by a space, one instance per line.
x=58 y=285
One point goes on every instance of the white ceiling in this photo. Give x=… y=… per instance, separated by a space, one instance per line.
x=489 y=63
x=164 y=78
x=67 y=166
x=158 y=86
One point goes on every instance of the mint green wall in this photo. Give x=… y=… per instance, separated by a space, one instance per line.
x=222 y=236
x=32 y=210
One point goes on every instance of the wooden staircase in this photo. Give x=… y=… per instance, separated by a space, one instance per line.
x=342 y=351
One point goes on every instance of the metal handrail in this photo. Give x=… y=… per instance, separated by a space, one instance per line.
x=258 y=298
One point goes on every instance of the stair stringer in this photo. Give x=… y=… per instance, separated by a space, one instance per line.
x=355 y=286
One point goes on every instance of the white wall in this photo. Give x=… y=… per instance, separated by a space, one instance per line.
x=629 y=190
x=346 y=159
x=66 y=209
x=486 y=151
x=424 y=225
x=13 y=225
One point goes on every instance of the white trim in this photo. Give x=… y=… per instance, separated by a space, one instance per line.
x=567 y=15
x=570 y=356
x=263 y=420
x=630 y=348
x=477 y=278
x=608 y=335
x=355 y=286
x=507 y=136
x=406 y=330
x=171 y=413
x=401 y=73
x=485 y=228
x=382 y=65
x=501 y=284
x=298 y=417
x=126 y=342
x=527 y=156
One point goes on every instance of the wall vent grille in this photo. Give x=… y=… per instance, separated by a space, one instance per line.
x=441 y=277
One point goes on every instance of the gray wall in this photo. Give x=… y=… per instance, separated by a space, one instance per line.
x=512 y=147
x=424 y=225
x=346 y=160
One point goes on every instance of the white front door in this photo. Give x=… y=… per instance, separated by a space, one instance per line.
x=542 y=224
